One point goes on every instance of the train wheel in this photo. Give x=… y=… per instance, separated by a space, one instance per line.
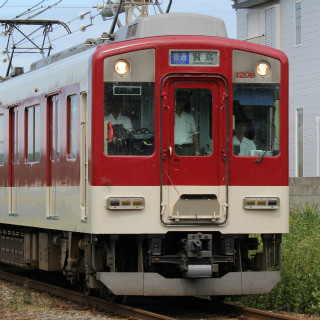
x=217 y=302
x=86 y=290
x=106 y=294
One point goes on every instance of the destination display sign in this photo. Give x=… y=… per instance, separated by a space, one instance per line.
x=194 y=58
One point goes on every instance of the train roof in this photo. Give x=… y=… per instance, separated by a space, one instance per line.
x=172 y=24
x=156 y=25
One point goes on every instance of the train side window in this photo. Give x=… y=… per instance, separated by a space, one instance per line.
x=256 y=119
x=129 y=118
x=1 y=139
x=15 y=120
x=72 y=127
x=33 y=134
x=54 y=102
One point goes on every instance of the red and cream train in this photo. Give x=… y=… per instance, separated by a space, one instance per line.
x=121 y=210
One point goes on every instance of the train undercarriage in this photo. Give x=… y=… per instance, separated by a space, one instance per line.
x=176 y=263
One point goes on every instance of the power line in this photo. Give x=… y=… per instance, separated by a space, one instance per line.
x=4 y=3
x=18 y=16
x=57 y=7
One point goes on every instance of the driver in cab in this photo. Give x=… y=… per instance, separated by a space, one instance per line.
x=115 y=116
x=242 y=145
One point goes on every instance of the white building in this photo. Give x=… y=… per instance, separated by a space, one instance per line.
x=292 y=26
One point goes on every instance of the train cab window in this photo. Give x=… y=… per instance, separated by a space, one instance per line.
x=129 y=118
x=193 y=122
x=256 y=120
x=33 y=134
x=72 y=127
x=1 y=139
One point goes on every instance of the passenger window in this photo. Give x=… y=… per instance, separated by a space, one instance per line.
x=72 y=127
x=33 y=134
x=193 y=122
x=256 y=120
x=129 y=119
x=1 y=139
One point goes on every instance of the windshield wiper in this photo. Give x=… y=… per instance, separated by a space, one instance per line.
x=264 y=153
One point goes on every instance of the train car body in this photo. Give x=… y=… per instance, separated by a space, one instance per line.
x=129 y=210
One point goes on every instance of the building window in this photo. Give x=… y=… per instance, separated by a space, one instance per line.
x=1 y=139
x=255 y=26
x=263 y=26
x=33 y=134
x=297 y=23
x=72 y=127
x=270 y=27
x=299 y=144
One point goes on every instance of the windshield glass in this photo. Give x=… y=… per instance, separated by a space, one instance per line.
x=256 y=123
x=128 y=118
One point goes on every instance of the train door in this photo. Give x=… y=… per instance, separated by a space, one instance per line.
x=53 y=154
x=14 y=159
x=194 y=153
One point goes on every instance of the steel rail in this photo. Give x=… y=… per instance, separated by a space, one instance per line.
x=80 y=298
x=136 y=313
x=257 y=314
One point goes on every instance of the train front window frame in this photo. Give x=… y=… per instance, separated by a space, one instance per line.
x=256 y=119
x=128 y=118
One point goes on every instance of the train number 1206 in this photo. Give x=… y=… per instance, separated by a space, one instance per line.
x=245 y=75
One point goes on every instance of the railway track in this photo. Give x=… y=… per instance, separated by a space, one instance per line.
x=80 y=298
x=202 y=309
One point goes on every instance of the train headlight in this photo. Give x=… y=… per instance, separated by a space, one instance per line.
x=265 y=203
x=263 y=69
x=122 y=67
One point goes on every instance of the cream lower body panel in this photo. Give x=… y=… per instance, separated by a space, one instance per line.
x=30 y=208
x=148 y=220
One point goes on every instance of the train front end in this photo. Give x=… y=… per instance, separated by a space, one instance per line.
x=187 y=161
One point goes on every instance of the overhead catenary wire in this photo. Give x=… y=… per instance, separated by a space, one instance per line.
x=38 y=9
x=27 y=11
x=4 y=4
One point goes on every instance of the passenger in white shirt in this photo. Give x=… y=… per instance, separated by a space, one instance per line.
x=186 y=135
x=245 y=144
x=116 y=117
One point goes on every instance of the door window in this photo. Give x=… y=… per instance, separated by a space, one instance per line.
x=33 y=134
x=193 y=122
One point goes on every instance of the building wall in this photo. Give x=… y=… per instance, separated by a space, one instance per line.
x=304 y=65
x=304 y=191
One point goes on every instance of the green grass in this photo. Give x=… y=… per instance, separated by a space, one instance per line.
x=299 y=288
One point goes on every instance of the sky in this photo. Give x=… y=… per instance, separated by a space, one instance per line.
x=69 y=11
